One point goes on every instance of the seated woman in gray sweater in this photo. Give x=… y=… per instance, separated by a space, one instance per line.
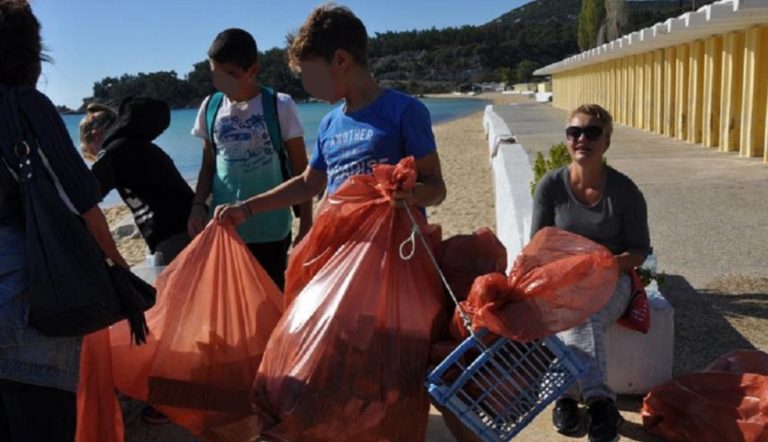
x=594 y=200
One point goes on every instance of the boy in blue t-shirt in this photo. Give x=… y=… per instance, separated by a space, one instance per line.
x=373 y=126
x=244 y=157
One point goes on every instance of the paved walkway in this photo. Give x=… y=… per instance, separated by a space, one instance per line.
x=708 y=211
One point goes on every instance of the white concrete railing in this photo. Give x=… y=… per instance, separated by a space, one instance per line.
x=512 y=175
x=636 y=362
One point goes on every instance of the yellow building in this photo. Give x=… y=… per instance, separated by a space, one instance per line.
x=701 y=77
x=525 y=87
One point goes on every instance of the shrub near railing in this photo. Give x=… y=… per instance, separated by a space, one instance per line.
x=558 y=156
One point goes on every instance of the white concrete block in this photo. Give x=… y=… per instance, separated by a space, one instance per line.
x=637 y=362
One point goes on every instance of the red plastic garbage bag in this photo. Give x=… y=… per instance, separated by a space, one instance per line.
x=557 y=281
x=741 y=361
x=317 y=248
x=215 y=335
x=463 y=258
x=216 y=308
x=713 y=405
x=349 y=357
x=99 y=417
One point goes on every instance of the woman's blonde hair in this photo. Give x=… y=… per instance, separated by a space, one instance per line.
x=97 y=116
x=597 y=112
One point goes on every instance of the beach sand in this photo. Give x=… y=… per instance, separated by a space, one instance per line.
x=134 y=250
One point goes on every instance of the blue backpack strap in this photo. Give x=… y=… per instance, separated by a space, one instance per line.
x=214 y=103
x=271 y=118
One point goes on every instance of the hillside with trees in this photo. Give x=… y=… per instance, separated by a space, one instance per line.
x=507 y=49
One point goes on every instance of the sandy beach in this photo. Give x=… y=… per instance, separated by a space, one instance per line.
x=465 y=166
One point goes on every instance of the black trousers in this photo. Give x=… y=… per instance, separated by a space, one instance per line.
x=30 y=413
x=273 y=256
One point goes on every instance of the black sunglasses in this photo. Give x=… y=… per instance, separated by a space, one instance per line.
x=591 y=132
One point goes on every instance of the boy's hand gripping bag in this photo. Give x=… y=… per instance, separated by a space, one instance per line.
x=216 y=309
x=558 y=281
x=348 y=359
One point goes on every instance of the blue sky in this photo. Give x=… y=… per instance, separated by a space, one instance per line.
x=92 y=39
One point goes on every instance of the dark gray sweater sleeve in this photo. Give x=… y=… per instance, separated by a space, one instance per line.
x=543 y=204
x=635 y=221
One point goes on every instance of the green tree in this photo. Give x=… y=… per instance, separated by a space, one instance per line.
x=590 y=19
x=200 y=80
x=274 y=72
x=524 y=70
x=508 y=76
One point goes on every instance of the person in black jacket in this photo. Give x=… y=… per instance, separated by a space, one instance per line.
x=126 y=159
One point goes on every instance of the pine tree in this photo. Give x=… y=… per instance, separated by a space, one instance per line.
x=590 y=19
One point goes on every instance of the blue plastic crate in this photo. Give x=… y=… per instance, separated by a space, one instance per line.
x=497 y=389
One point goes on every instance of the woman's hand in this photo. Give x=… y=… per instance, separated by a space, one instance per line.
x=630 y=259
x=231 y=213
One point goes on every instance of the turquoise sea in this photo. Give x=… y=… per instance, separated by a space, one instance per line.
x=185 y=149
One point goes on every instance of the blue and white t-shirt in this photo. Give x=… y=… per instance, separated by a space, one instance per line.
x=247 y=163
x=391 y=128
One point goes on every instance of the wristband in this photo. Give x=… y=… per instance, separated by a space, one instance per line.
x=246 y=208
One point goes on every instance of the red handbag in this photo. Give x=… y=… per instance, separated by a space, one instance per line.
x=638 y=315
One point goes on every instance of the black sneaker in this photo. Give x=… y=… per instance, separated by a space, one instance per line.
x=565 y=416
x=603 y=421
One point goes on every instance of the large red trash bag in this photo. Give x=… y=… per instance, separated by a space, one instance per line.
x=317 y=247
x=557 y=281
x=728 y=401
x=348 y=360
x=215 y=335
x=331 y=230
x=463 y=258
x=99 y=417
x=741 y=361
x=215 y=309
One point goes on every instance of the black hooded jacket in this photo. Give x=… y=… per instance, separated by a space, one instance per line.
x=142 y=173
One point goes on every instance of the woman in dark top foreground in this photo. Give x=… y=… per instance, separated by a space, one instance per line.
x=38 y=374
